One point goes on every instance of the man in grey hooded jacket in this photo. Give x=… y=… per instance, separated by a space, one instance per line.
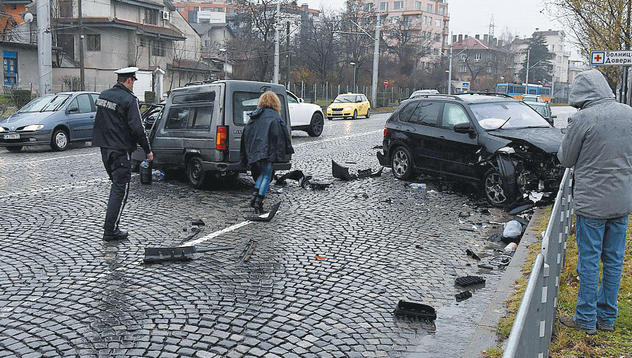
x=599 y=145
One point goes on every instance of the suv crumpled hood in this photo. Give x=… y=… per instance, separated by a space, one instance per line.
x=547 y=139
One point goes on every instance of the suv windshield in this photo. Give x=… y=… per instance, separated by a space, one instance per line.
x=45 y=104
x=491 y=116
x=345 y=99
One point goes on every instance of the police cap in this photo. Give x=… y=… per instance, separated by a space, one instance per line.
x=127 y=72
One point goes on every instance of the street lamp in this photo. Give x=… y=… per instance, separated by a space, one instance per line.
x=354 y=75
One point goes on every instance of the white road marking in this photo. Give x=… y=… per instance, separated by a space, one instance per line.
x=217 y=233
x=337 y=138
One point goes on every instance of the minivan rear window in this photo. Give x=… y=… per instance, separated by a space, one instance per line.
x=189 y=117
x=193 y=97
x=246 y=102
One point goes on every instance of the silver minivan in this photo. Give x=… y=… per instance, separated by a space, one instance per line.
x=199 y=130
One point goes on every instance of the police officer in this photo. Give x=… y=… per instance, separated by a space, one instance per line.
x=117 y=130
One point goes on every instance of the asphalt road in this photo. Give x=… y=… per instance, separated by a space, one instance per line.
x=322 y=279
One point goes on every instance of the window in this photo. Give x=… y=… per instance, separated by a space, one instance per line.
x=291 y=99
x=437 y=37
x=82 y=103
x=151 y=16
x=190 y=117
x=177 y=118
x=426 y=113
x=10 y=68
x=158 y=47
x=246 y=102
x=441 y=10
x=368 y=7
x=407 y=112
x=383 y=6
x=94 y=42
x=429 y=8
x=67 y=44
x=454 y=114
x=394 y=19
x=477 y=56
x=437 y=23
x=202 y=117
x=435 y=51
x=65 y=8
x=398 y=5
x=417 y=5
x=462 y=68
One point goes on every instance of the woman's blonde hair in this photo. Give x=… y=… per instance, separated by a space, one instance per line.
x=269 y=99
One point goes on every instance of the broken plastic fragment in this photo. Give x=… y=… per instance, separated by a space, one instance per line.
x=320 y=257
x=471 y=254
x=485 y=266
x=340 y=172
x=463 y=296
x=198 y=222
x=469 y=280
x=415 y=310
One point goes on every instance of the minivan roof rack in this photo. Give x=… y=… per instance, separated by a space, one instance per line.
x=438 y=95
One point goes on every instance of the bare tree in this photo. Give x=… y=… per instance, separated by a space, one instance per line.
x=408 y=44
x=320 y=45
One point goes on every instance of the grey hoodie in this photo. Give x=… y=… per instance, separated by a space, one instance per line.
x=599 y=145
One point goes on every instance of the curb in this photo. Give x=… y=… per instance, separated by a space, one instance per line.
x=485 y=335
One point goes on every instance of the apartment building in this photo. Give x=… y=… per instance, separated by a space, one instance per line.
x=430 y=20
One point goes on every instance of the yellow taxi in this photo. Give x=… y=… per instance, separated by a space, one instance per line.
x=349 y=105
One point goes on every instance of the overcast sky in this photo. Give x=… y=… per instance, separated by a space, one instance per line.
x=473 y=16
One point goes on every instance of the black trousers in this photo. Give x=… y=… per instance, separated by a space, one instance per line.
x=117 y=165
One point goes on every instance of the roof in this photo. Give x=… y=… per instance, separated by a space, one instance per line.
x=470 y=43
x=549 y=33
x=192 y=66
x=143 y=29
x=204 y=28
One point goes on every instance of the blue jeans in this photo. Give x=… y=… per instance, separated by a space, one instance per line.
x=265 y=177
x=599 y=240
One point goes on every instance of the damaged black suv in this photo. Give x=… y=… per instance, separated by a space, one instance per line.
x=500 y=145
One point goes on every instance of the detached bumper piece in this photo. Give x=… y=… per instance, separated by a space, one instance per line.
x=382 y=159
x=469 y=281
x=415 y=310
x=463 y=296
x=182 y=253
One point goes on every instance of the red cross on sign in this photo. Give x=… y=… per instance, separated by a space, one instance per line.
x=598 y=58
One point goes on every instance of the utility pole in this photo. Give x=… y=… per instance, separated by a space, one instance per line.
x=287 y=48
x=376 y=60
x=82 y=74
x=527 y=79
x=450 y=70
x=275 y=79
x=353 y=64
x=44 y=47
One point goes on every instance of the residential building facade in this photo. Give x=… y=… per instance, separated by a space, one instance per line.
x=482 y=61
x=428 y=20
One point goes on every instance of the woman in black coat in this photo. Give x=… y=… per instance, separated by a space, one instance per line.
x=266 y=140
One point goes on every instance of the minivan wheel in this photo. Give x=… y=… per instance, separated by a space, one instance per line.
x=195 y=172
x=493 y=189
x=402 y=164
x=316 y=125
x=60 y=140
x=355 y=115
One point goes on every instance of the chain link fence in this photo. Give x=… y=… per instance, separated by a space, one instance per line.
x=532 y=329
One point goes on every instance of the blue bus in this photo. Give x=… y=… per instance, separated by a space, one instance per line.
x=519 y=90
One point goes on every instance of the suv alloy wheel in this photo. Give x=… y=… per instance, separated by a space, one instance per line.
x=402 y=163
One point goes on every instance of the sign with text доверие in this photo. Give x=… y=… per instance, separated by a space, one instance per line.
x=611 y=58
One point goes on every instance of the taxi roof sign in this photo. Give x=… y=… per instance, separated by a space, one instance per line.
x=611 y=58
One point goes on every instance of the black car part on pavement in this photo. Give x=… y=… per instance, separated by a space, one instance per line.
x=469 y=281
x=463 y=296
x=181 y=253
x=267 y=216
x=415 y=310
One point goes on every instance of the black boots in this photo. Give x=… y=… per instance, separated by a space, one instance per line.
x=115 y=235
x=259 y=204
x=253 y=200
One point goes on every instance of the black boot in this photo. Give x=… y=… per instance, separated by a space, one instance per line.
x=253 y=200
x=259 y=204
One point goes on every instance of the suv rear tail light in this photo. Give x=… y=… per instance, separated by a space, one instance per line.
x=221 y=138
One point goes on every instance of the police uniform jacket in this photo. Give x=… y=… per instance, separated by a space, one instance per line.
x=118 y=122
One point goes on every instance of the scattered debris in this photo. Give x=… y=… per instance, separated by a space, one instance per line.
x=500 y=260
x=485 y=266
x=293 y=175
x=471 y=254
x=388 y=201
x=485 y=211
x=419 y=186
x=377 y=173
x=181 y=253
x=464 y=214
x=463 y=296
x=469 y=280
x=198 y=222
x=248 y=250
x=419 y=247
x=495 y=237
x=510 y=248
x=320 y=257
x=520 y=209
x=340 y=172
x=512 y=231
x=378 y=147
x=267 y=216
x=415 y=310
x=319 y=184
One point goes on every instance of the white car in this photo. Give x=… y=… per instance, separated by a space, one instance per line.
x=305 y=116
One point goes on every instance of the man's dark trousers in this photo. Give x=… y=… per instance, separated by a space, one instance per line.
x=117 y=164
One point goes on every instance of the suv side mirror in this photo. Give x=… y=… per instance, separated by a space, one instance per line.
x=300 y=100
x=553 y=116
x=464 y=128
x=73 y=108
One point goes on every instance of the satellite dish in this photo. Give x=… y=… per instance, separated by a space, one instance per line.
x=28 y=17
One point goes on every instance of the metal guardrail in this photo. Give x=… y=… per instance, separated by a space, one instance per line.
x=532 y=329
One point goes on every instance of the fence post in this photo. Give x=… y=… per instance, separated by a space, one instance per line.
x=315 y=92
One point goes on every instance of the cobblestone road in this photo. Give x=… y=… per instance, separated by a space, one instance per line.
x=64 y=292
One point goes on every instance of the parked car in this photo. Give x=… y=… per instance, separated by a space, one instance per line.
x=54 y=120
x=423 y=92
x=544 y=109
x=305 y=116
x=532 y=98
x=199 y=130
x=499 y=144
x=350 y=105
